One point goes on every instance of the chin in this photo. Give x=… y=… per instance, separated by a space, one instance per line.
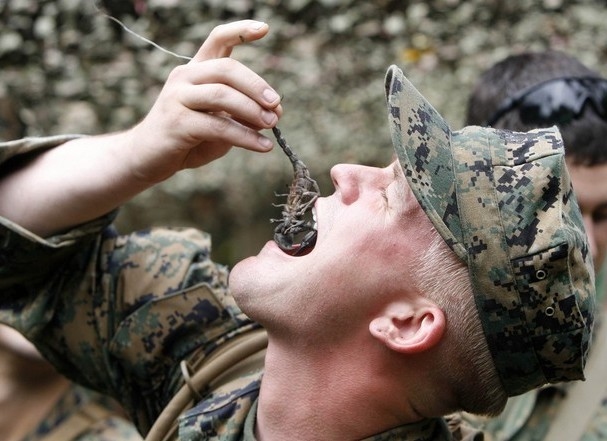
x=246 y=278
x=257 y=281
x=259 y=266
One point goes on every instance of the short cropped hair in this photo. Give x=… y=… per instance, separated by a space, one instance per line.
x=444 y=279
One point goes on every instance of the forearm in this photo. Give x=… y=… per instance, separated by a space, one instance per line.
x=70 y=184
x=205 y=107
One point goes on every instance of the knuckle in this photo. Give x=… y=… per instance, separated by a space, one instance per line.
x=178 y=72
x=227 y=64
x=221 y=125
x=215 y=93
x=257 y=83
x=247 y=133
x=218 y=30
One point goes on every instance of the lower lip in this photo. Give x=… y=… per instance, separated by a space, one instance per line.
x=272 y=246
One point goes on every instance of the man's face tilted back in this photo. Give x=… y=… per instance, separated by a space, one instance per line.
x=502 y=202
x=371 y=221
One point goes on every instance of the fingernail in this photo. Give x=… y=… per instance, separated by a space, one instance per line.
x=268 y=117
x=265 y=142
x=257 y=25
x=270 y=95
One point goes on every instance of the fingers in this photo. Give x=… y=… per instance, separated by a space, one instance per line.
x=236 y=75
x=223 y=38
x=228 y=85
x=214 y=98
x=222 y=129
x=227 y=103
x=223 y=85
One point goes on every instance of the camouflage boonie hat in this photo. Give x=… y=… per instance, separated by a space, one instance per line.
x=503 y=202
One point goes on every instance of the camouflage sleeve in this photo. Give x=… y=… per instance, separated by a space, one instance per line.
x=21 y=147
x=117 y=313
x=111 y=429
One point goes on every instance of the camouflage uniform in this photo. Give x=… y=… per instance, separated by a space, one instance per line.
x=529 y=417
x=119 y=314
x=84 y=415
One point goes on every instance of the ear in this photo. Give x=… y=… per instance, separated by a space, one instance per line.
x=409 y=329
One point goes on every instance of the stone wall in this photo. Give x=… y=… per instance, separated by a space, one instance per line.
x=66 y=67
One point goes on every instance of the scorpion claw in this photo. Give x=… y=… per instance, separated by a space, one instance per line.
x=307 y=243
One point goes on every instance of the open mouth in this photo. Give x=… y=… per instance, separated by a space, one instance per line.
x=304 y=241
x=301 y=239
x=305 y=246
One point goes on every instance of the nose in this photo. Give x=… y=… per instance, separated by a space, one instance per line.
x=351 y=179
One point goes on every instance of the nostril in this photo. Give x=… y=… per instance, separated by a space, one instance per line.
x=346 y=179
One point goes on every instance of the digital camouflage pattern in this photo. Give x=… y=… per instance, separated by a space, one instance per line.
x=529 y=417
x=84 y=415
x=118 y=313
x=511 y=215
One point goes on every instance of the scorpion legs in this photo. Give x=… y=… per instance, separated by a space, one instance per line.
x=302 y=195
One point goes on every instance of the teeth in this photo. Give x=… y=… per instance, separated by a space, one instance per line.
x=314 y=218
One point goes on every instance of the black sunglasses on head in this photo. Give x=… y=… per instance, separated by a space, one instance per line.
x=557 y=101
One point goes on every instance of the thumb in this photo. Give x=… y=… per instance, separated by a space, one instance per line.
x=223 y=38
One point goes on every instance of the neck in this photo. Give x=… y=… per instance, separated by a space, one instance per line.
x=335 y=396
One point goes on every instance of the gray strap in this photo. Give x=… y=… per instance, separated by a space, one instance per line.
x=583 y=397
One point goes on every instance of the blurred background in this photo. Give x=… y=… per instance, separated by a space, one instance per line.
x=67 y=68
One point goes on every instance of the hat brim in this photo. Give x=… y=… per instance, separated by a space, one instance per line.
x=422 y=141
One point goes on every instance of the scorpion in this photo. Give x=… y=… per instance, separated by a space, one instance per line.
x=303 y=192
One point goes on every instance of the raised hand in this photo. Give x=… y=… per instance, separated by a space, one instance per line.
x=207 y=106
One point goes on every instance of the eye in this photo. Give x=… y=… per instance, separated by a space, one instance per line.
x=389 y=195
x=384 y=195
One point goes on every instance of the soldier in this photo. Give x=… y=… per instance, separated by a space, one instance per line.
x=451 y=279
x=541 y=89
